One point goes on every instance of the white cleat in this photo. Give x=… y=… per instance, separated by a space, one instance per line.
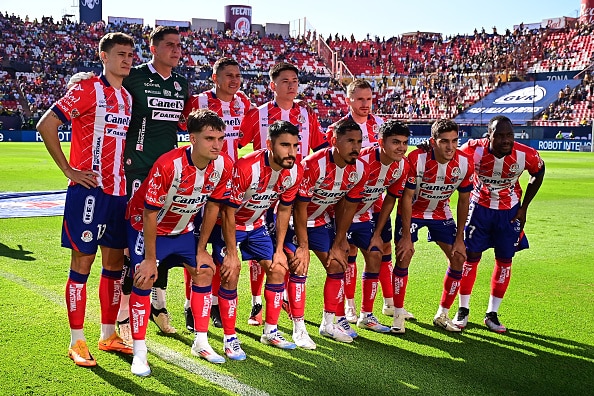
x=335 y=332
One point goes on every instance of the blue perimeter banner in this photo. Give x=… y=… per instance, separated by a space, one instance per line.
x=90 y=11
x=32 y=204
x=519 y=101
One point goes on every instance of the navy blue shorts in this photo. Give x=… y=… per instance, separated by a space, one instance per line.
x=320 y=238
x=387 y=230
x=253 y=245
x=492 y=228
x=92 y=219
x=172 y=250
x=439 y=230
x=359 y=234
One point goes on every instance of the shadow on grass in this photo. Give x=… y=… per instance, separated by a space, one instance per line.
x=17 y=254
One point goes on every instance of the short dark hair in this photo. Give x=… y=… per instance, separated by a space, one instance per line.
x=222 y=63
x=277 y=69
x=497 y=119
x=108 y=41
x=158 y=33
x=342 y=126
x=279 y=127
x=443 y=125
x=357 y=83
x=200 y=118
x=393 y=127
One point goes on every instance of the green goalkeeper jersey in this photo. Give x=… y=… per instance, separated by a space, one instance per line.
x=156 y=110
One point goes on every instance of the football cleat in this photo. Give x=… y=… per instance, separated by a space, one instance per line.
x=256 y=315
x=492 y=322
x=336 y=332
x=115 y=344
x=343 y=323
x=215 y=316
x=140 y=367
x=398 y=324
x=388 y=310
x=125 y=331
x=370 y=322
x=461 y=318
x=189 y=319
x=206 y=352
x=233 y=349
x=80 y=354
x=276 y=339
x=162 y=320
x=303 y=340
x=445 y=323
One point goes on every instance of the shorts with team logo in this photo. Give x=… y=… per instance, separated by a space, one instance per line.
x=493 y=228
x=253 y=245
x=359 y=234
x=439 y=230
x=92 y=219
x=172 y=250
x=320 y=238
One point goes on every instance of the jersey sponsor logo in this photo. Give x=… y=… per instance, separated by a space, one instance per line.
x=166 y=92
x=87 y=236
x=165 y=115
x=120 y=120
x=160 y=103
x=189 y=200
x=115 y=133
x=435 y=187
x=148 y=91
x=97 y=153
x=235 y=121
x=150 y=83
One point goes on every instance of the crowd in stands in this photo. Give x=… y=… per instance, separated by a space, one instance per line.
x=417 y=76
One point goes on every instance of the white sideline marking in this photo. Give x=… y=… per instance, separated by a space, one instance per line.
x=165 y=353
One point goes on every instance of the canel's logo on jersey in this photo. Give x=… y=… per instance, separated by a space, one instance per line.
x=522 y=96
x=90 y=4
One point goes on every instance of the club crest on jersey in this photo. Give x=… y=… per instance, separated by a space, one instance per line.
x=456 y=171
x=87 y=236
x=397 y=172
x=177 y=86
x=74 y=113
x=301 y=119
x=353 y=177
x=514 y=167
x=162 y=199
x=215 y=176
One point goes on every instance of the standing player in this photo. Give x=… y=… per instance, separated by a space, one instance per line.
x=99 y=109
x=260 y=180
x=360 y=99
x=284 y=82
x=387 y=168
x=432 y=179
x=333 y=183
x=497 y=211
x=158 y=95
x=161 y=214
x=231 y=105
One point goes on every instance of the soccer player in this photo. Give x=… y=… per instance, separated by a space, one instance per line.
x=231 y=105
x=360 y=98
x=387 y=168
x=284 y=82
x=497 y=211
x=260 y=180
x=161 y=214
x=159 y=95
x=433 y=177
x=333 y=183
x=99 y=109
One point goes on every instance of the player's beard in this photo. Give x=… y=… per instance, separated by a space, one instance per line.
x=283 y=162
x=352 y=160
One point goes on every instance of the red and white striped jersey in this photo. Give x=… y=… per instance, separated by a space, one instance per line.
x=370 y=129
x=497 y=185
x=178 y=189
x=325 y=183
x=257 y=187
x=231 y=112
x=254 y=127
x=434 y=183
x=100 y=116
x=380 y=177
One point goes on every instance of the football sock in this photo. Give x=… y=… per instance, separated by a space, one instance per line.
x=110 y=291
x=451 y=283
x=200 y=301
x=333 y=291
x=296 y=294
x=159 y=298
x=76 y=299
x=369 y=290
x=385 y=277
x=501 y=276
x=350 y=278
x=273 y=294
x=228 y=309
x=400 y=280
x=140 y=311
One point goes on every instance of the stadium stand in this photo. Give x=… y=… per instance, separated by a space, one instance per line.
x=418 y=76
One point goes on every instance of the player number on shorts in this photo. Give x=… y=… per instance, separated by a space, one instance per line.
x=471 y=229
x=100 y=230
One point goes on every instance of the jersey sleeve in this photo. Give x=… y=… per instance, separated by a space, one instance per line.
x=222 y=191
x=289 y=195
x=411 y=178
x=317 y=139
x=466 y=184
x=78 y=100
x=249 y=127
x=240 y=182
x=534 y=163
x=356 y=193
x=159 y=180
x=310 y=175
